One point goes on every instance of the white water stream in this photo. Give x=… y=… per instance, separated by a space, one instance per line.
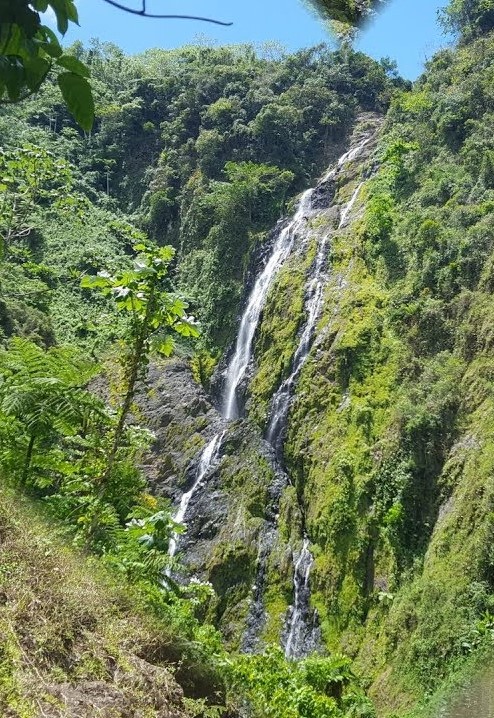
x=257 y=299
x=295 y=643
x=209 y=456
x=348 y=208
x=280 y=403
x=301 y=637
x=302 y=633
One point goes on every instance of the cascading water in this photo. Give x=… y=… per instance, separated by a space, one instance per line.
x=209 y=456
x=242 y=356
x=349 y=206
x=280 y=403
x=250 y=318
x=302 y=631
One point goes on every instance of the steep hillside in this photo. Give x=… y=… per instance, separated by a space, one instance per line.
x=328 y=441
x=84 y=294
x=196 y=146
x=73 y=642
x=389 y=440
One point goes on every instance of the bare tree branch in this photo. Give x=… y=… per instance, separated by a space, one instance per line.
x=144 y=13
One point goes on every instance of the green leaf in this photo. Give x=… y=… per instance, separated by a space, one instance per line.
x=60 y=8
x=77 y=94
x=72 y=12
x=10 y=39
x=50 y=42
x=166 y=253
x=71 y=63
x=40 y=5
x=186 y=329
x=36 y=70
x=91 y=282
x=12 y=76
x=166 y=346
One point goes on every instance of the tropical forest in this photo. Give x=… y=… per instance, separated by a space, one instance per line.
x=246 y=375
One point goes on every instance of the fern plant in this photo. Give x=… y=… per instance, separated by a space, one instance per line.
x=43 y=396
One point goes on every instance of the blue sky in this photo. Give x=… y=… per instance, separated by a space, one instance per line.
x=406 y=31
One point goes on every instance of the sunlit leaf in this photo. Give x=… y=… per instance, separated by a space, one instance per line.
x=71 y=63
x=77 y=94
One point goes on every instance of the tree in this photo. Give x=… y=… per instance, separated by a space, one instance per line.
x=29 y=51
x=468 y=18
x=156 y=314
x=29 y=176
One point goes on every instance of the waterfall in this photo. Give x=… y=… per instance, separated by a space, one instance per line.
x=302 y=635
x=301 y=626
x=280 y=403
x=250 y=318
x=302 y=630
x=242 y=356
x=209 y=456
x=348 y=208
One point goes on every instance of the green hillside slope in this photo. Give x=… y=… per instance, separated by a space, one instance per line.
x=386 y=474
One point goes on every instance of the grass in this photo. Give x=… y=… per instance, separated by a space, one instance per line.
x=72 y=634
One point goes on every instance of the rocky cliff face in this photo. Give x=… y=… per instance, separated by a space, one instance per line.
x=363 y=522
x=246 y=522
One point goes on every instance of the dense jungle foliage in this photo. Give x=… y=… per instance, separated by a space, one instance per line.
x=136 y=238
x=390 y=437
x=103 y=235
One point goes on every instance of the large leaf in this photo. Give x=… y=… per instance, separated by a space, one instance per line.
x=50 y=42
x=12 y=76
x=71 y=63
x=36 y=70
x=40 y=5
x=77 y=94
x=60 y=8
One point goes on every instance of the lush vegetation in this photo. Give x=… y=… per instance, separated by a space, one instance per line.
x=390 y=440
x=91 y=291
x=205 y=145
x=112 y=243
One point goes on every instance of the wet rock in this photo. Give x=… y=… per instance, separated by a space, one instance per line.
x=182 y=419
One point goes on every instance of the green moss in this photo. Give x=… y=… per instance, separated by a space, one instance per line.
x=390 y=434
x=203 y=364
x=277 y=340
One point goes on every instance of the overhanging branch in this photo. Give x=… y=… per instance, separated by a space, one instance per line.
x=144 y=13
